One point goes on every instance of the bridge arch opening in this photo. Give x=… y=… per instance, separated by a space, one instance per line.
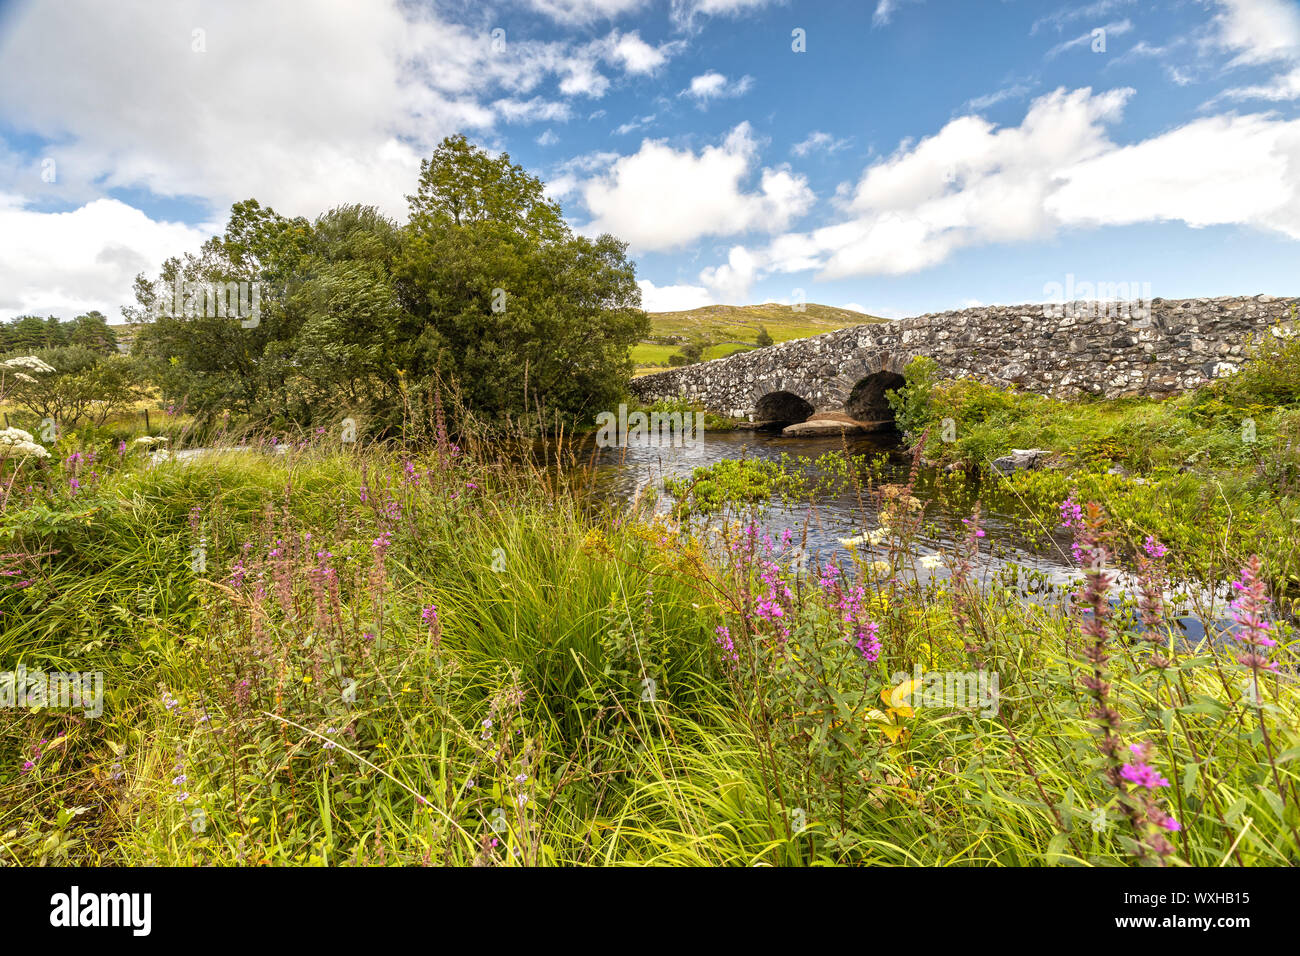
x=867 y=401
x=778 y=409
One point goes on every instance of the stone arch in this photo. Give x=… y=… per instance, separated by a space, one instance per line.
x=867 y=402
x=782 y=408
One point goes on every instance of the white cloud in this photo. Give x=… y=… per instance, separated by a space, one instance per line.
x=660 y=197
x=1242 y=170
x=684 y=12
x=971 y=183
x=548 y=138
x=1285 y=86
x=817 y=141
x=302 y=105
x=1118 y=28
x=672 y=298
x=714 y=85
x=1014 y=92
x=975 y=184
x=1061 y=17
x=581 y=12
x=532 y=111
x=730 y=283
x=885 y=10
x=1259 y=31
x=636 y=56
x=68 y=263
x=633 y=124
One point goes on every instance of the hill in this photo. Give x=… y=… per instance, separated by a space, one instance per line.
x=721 y=330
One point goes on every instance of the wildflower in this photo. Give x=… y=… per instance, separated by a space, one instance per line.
x=29 y=362
x=430 y=617
x=15 y=441
x=868 y=642
x=930 y=562
x=1143 y=775
x=1248 y=613
x=1071 y=513
x=1154 y=548
x=723 y=640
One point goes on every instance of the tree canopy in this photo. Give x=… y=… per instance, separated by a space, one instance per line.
x=486 y=289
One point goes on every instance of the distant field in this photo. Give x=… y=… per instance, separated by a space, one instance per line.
x=724 y=329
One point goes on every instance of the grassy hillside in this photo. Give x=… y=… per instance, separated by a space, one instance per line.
x=721 y=330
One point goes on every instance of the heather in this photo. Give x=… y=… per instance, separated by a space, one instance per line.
x=438 y=653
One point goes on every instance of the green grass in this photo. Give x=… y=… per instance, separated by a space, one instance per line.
x=521 y=727
x=1215 y=473
x=728 y=328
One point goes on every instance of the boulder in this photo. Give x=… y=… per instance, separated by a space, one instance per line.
x=1020 y=459
x=824 y=427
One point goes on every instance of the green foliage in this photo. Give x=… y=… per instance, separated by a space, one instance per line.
x=573 y=701
x=728 y=483
x=911 y=403
x=486 y=290
x=84 y=386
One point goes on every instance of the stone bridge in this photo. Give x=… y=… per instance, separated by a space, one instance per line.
x=1065 y=350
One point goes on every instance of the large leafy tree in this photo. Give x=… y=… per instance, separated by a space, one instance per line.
x=486 y=287
x=505 y=299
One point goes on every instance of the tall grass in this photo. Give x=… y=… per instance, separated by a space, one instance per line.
x=367 y=656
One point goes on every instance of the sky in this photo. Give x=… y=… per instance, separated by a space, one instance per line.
x=892 y=156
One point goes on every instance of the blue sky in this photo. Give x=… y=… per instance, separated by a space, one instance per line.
x=913 y=156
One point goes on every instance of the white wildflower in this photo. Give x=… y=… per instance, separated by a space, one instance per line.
x=29 y=362
x=931 y=561
x=12 y=435
x=12 y=445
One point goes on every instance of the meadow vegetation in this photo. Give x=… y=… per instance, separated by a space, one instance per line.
x=437 y=653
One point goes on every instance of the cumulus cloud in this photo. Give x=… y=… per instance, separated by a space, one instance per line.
x=68 y=263
x=1221 y=170
x=731 y=282
x=672 y=298
x=973 y=183
x=714 y=85
x=661 y=197
x=1259 y=31
x=302 y=104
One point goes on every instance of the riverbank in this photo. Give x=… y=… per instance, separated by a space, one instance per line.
x=370 y=656
x=1214 y=473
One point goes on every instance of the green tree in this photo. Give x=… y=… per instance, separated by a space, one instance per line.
x=85 y=385
x=92 y=331
x=764 y=339
x=28 y=333
x=505 y=299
